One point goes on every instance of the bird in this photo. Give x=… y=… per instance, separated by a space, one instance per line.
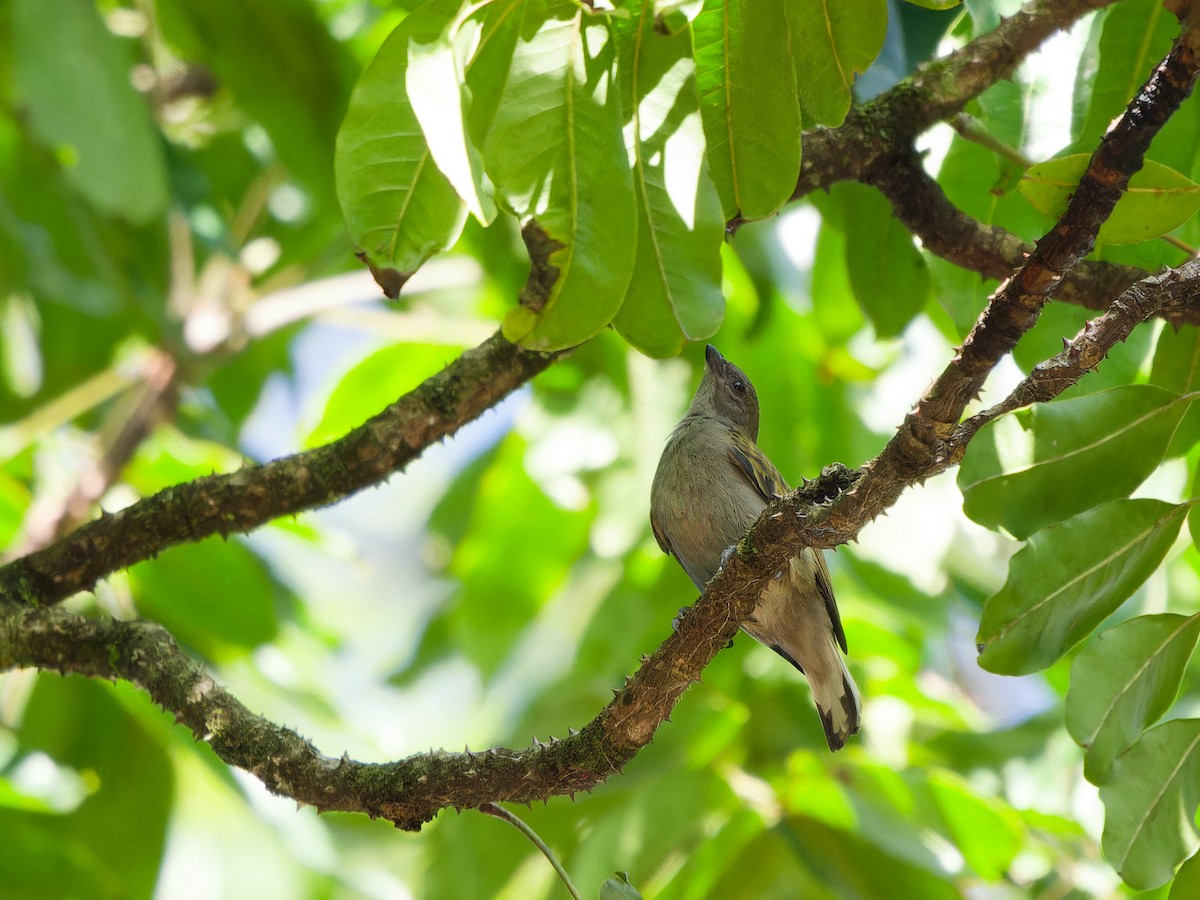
x=711 y=485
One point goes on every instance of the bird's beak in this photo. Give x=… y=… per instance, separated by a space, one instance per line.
x=712 y=356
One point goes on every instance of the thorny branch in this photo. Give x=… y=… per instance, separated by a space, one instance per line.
x=823 y=513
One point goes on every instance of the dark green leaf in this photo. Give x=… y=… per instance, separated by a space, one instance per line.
x=399 y=207
x=1186 y=885
x=1069 y=578
x=557 y=157
x=1027 y=470
x=1123 y=682
x=619 y=888
x=748 y=98
x=282 y=65
x=74 y=80
x=674 y=295
x=834 y=43
x=886 y=269
x=1150 y=804
x=109 y=846
x=214 y=596
x=1177 y=368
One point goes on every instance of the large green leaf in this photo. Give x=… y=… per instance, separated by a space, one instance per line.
x=557 y=157
x=214 y=596
x=674 y=295
x=1150 y=804
x=751 y=111
x=74 y=81
x=1033 y=468
x=1158 y=199
x=399 y=207
x=110 y=845
x=832 y=44
x=1069 y=578
x=1177 y=368
x=1134 y=36
x=888 y=275
x=986 y=831
x=282 y=65
x=437 y=68
x=1186 y=885
x=1123 y=682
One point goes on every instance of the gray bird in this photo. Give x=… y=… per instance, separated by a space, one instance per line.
x=711 y=485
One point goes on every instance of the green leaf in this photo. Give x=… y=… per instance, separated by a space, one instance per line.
x=619 y=887
x=1186 y=885
x=437 y=67
x=1134 y=36
x=675 y=294
x=399 y=207
x=74 y=79
x=834 y=43
x=1030 y=469
x=110 y=846
x=987 y=832
x=376 y=381
x=887 y=272
x=557 y=157
x=1069 y=578
x=1123 y=682
x=1176 y=367
x=282 y=65
x=1150 y=804
x=751 y=111
x=935 y=4
x=1157 y=201
x=214 y=596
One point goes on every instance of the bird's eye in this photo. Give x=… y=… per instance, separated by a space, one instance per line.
x=739 y=387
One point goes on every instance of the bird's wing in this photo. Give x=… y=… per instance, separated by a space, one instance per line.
x=765 y=478
x=762 y=475
x=826 y=591
x=660 y=535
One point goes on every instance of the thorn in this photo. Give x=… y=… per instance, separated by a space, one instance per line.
x=571 y=732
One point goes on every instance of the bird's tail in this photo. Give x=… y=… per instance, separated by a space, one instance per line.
x=837 y=698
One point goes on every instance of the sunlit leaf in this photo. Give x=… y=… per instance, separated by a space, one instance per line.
x=751 y=111
x=1158 y=199
x=557 y=158
x=1150 y=804
x=437 y=67
x=399 y=207
x=1123 y=682
x=674 y=295
x=1027 y=470
x=1069 y=578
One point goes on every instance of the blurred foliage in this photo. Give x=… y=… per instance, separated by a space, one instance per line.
x=168 y=182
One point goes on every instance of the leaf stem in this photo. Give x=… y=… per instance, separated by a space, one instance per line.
x=495 y=809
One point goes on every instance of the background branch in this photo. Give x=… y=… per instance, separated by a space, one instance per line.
x=244 y=500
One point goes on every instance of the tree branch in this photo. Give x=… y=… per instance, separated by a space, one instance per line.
x=948 y=232
x=244 y=500
x=890 y=122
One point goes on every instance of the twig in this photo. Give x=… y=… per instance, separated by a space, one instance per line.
x=493 y=809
